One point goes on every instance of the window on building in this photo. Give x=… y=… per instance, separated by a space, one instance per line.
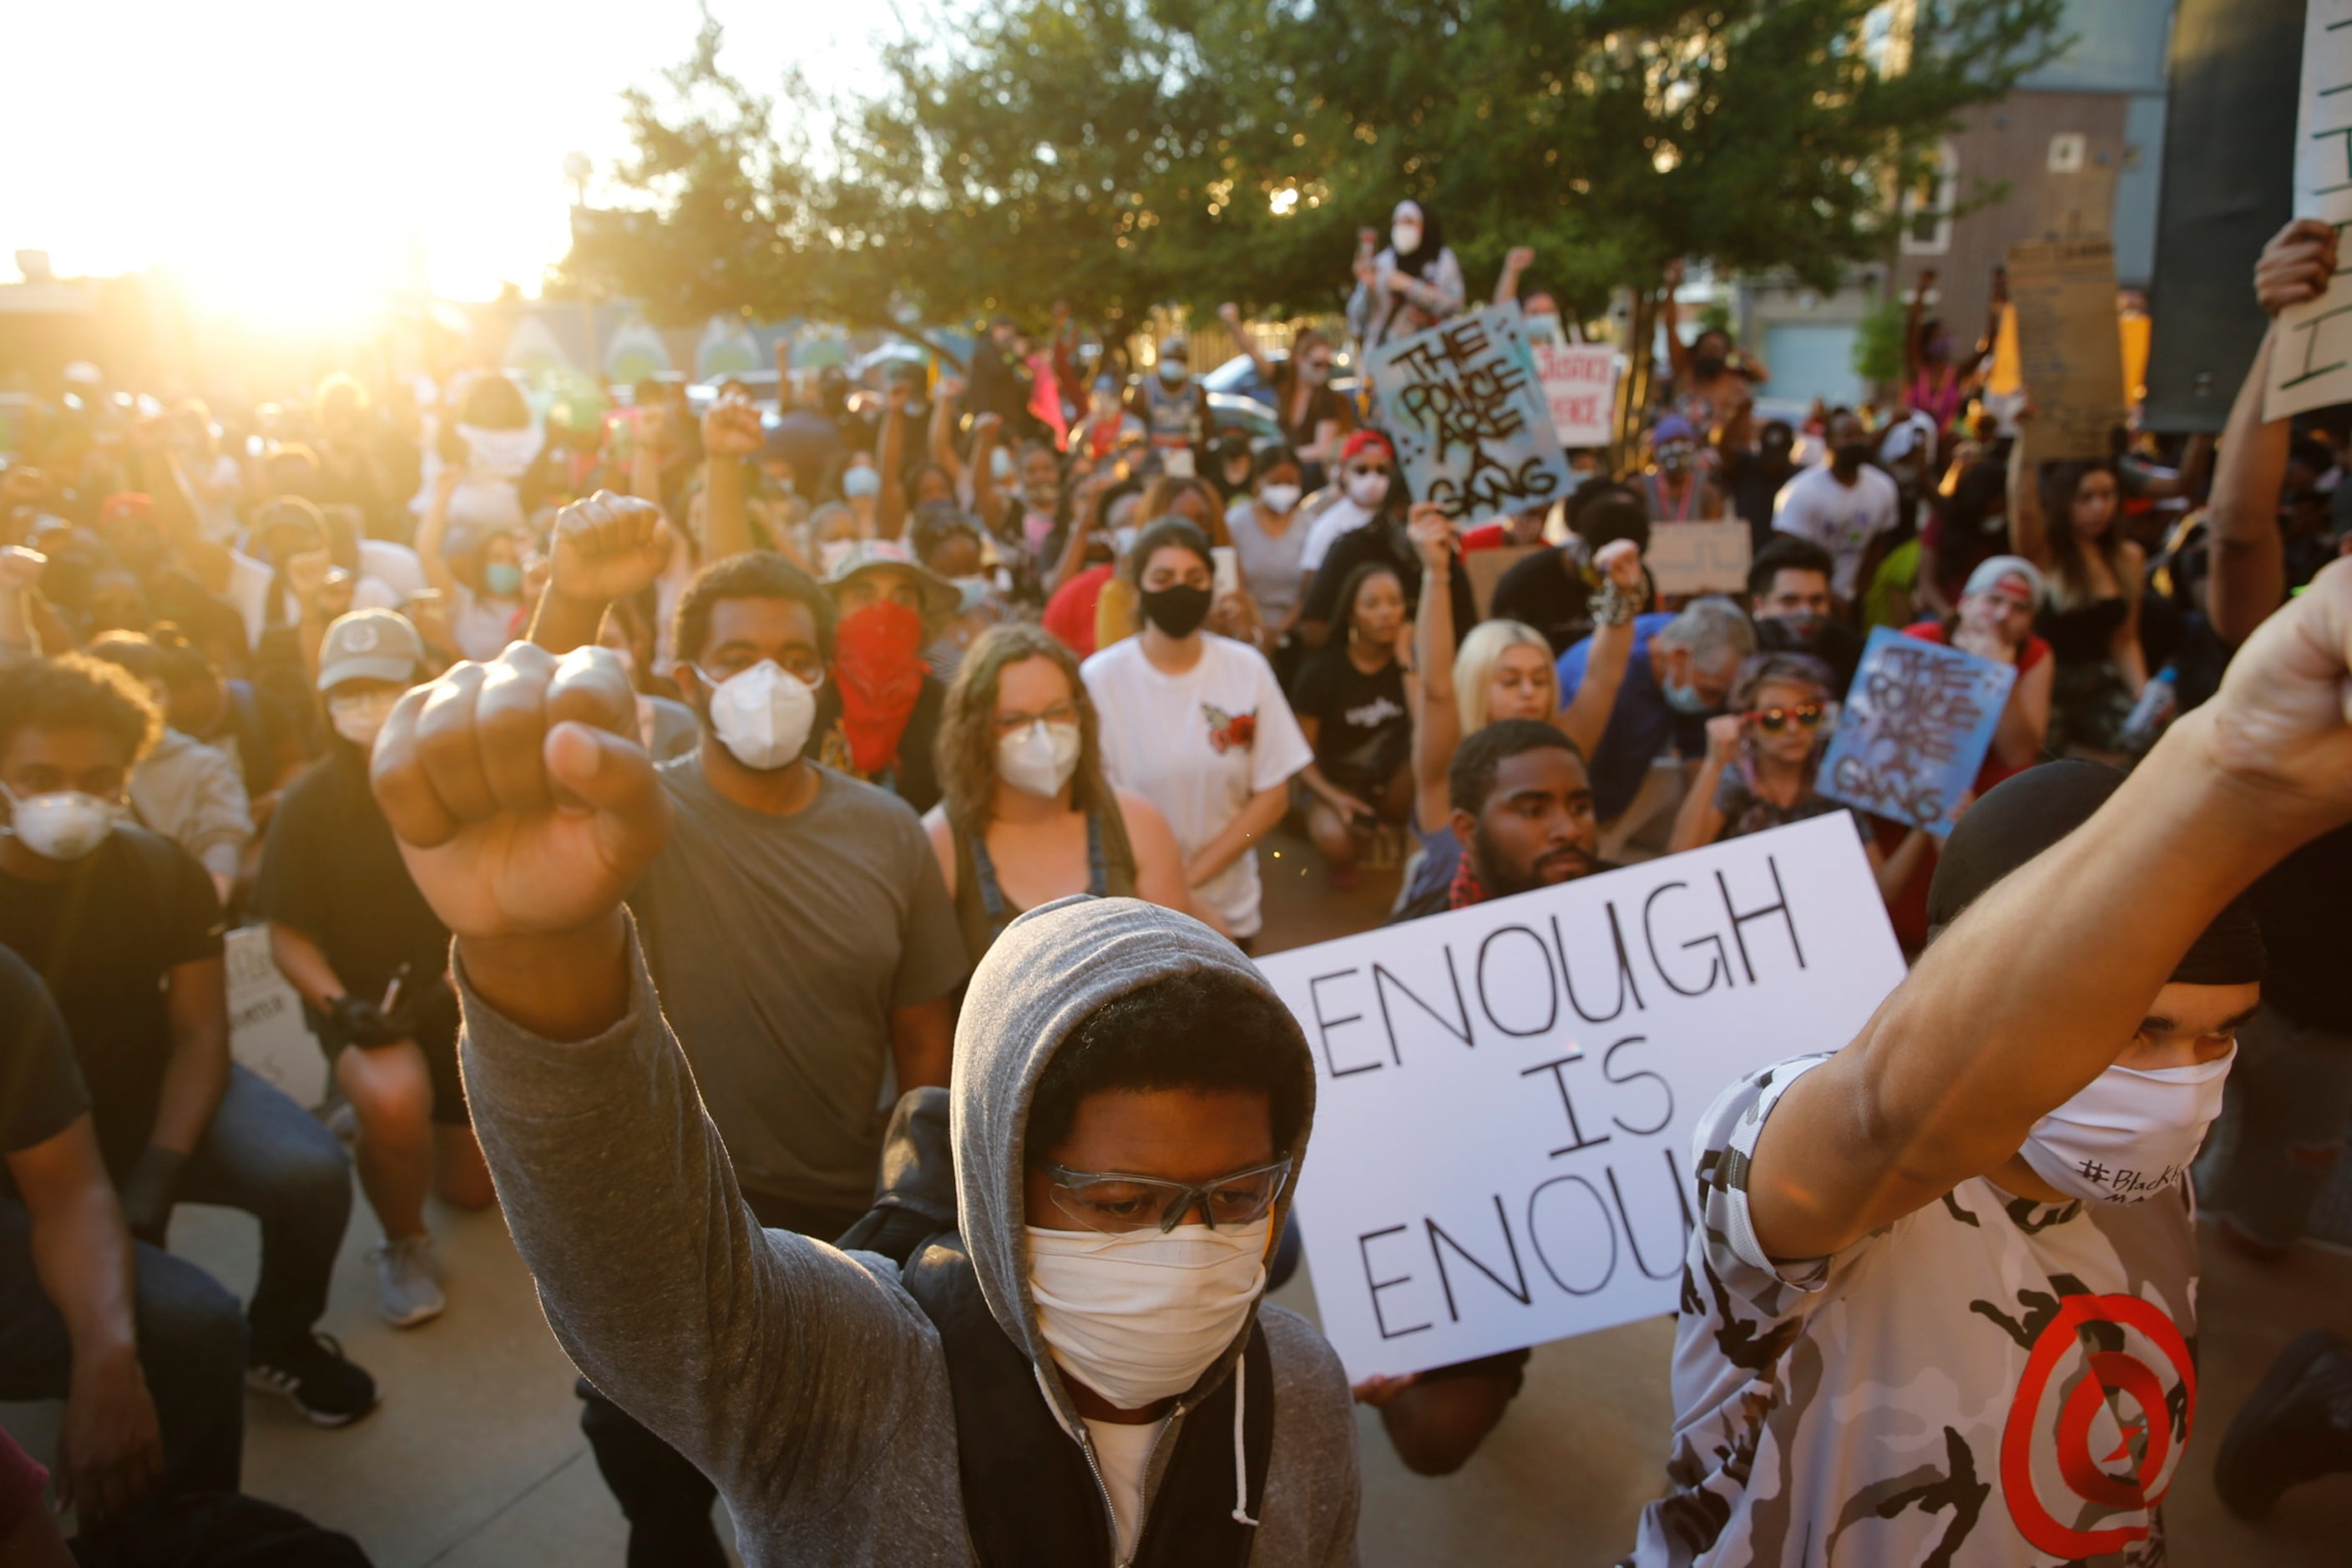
x=1928 y=204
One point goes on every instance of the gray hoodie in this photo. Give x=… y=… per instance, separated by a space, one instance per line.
x=805 y=1381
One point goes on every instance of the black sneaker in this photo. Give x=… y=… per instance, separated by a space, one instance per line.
x=311 y=1372
x=2295 y=1426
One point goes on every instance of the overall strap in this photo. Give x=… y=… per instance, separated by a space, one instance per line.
x=991 y=896
x=1097 y=878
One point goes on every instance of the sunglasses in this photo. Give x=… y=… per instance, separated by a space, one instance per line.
x=1805 y=716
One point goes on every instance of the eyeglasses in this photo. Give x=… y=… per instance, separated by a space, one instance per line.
x=1113 y=1203
x=1059 y=713
x=1805 y=716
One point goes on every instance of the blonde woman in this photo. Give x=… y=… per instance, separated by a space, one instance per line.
x=1502 y=670
x=1027 y=816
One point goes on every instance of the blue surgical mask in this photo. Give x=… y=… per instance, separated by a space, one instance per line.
x=502 y=580
x=859 y=483
x=1685 y=698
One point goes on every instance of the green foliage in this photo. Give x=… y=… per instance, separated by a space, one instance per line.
x=1878 y=346
x=1120 y=154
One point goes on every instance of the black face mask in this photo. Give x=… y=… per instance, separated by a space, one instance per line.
x=1177 y=611
x=1706 y=367
x=1852 y=455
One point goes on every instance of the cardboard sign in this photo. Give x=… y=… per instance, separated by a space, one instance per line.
x=2311 y=364
x=1580 y=383
x=266 y=1035
x=1486 y=568
x=2064 y=294
x=1913 y=730
x=1699 y=557
x=1505 y=1093
x=1471 y=425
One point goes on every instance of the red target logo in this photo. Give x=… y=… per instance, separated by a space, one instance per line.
x=2067 y=1453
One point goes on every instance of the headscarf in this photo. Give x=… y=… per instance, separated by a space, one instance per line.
x=2033 y=810
x=1423 y=259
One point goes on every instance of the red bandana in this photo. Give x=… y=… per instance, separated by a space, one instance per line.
x=877 y=660
x=1466 y=889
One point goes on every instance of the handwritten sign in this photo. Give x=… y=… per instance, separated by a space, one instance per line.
x=1505 y=1093
x=1580 y=383
x=1699 y=557
x=266 y=1035
x=2063 y=295
x=1471 y=424
x=1913 y=730
x=2311 y=365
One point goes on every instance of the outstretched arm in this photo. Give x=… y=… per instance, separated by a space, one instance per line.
x=2027 y=536
x=1438 y=727
x=525 y=809
x=2005 y=1017
x=1584 y=718
x=1670 y=318
x=1515 y=262
x=2249 y=572
x=1231 y=314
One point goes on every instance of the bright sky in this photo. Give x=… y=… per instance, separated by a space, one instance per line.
x=291 y=160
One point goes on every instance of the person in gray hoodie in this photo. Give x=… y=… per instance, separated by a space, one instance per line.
x=1072 y=1364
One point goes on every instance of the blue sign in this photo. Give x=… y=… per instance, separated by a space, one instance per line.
x=1913 y=730
x=1471 y=422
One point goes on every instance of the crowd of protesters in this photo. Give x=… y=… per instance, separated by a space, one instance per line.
x=888 y=674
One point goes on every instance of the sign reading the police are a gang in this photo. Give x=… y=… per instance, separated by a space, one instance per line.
x=1473 y=427
x=1507 y=1093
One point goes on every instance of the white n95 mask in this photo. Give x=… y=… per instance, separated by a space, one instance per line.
x=62 y=825
x=1140 y=1315
x=2128 y=1134
x=1040 y=759
x=762 y=715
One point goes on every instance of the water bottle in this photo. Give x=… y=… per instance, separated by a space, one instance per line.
x=2158 y=699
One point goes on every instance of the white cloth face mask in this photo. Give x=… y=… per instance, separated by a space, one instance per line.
x=1040 y=759
x=762 y=715
x=61 y=824
x=2128 y=1134
x=1138 y=1315
x=1368 y=490
x=1279 y=499
x=359 y=720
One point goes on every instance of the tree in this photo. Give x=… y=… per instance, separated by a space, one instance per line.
x=1121 y=152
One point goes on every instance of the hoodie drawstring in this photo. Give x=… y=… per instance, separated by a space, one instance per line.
x=1241 y=1447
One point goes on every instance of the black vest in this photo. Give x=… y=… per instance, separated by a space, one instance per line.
x=1030 y=1496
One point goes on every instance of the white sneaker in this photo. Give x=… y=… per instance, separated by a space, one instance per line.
x=407 y=1284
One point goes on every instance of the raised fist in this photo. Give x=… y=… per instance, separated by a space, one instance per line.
x=1432 y=535
x=607 y=547
x=21 y=568
x=730 y=428
x=523 y=804
x=1620 y=561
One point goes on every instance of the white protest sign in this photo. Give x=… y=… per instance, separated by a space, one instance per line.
x=266 y=1035
x=2311 y=364
x=1580 y=383
x=1505 y=1093
x=1699 y=557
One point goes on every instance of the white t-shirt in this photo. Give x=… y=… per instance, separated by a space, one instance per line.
x=481 y=625
x=1989 y=1381
x=1335 y=521
x=1198 y=745
x=1842 y=519
x=1121 y=1453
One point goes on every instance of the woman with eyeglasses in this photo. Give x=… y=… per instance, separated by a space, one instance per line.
x=1027 y=816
